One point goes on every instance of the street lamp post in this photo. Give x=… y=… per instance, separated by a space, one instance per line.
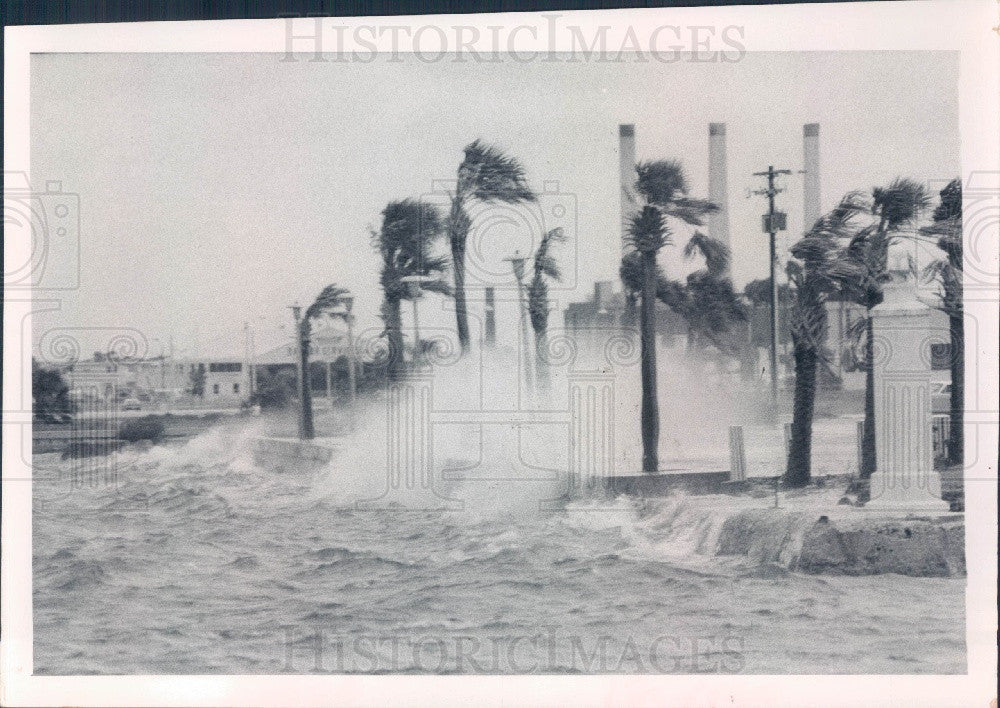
x=300 y=374
x=352 y=380
x=517 y=262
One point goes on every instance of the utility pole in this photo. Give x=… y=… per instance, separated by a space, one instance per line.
x=773 y=222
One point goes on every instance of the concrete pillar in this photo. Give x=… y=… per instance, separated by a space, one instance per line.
x=626 y=168
x=737 y=455
x=718 y=192
x=905 y=479
x=810 y=160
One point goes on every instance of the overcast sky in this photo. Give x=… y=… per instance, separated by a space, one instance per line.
x=220 y=188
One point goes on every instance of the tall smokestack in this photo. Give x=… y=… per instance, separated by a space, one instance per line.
x=810 y=159
x=491 y=317
x=718 y=222
x=626 y=168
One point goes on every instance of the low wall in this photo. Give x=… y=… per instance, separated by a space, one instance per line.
x=288 y=455
x=863 y=544
x=665 y=483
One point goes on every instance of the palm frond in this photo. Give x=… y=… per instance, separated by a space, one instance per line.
x=410 y=230
x=690 y=211
x=545 y=264
x=715 y=252
x=331 y=297
x=489 y=174
x=856 y=331
x=902 y=201
x=950 y=206
x=438 y=286
x=673 y=294
x=661 y=182
x=938 y=269
x=410 y=224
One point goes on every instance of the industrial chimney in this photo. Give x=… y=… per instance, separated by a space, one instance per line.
x=810 y=159
x=491 y=317
x=626 y=167
x=718 y=193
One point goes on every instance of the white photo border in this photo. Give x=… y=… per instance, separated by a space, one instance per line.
x=966 y=26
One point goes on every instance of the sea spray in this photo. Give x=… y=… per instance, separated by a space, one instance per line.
x=240 y=564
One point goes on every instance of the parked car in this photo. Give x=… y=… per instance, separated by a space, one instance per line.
x=940 y=397
x=131 y=404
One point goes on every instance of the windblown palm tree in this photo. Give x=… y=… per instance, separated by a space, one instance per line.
x=486 y=174
x=546 y=268
x=663 y=192
x=706 y=301
x=817 y=271
x=895 y=207
x=406 y=243
x=714 y=312
x=331 y=298
x=947 y=230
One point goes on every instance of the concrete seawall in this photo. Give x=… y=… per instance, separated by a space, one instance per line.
x=811 y=534
x=851 y=543
x=290 y=455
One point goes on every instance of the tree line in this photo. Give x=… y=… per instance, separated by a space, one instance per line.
x=843 y=255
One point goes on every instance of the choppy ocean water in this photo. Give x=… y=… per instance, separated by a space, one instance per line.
x=198 y=560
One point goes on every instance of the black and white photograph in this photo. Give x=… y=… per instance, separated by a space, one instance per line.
x=576 y=345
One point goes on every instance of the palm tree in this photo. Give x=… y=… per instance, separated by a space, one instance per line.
x=489 y=175
x=663 y=193
x=895 y=208
x=545 y=267
x=714 y=311
x=406 y=245
x=331 y=298
x=947 y=230
x=817 y=271
x=707 y=302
